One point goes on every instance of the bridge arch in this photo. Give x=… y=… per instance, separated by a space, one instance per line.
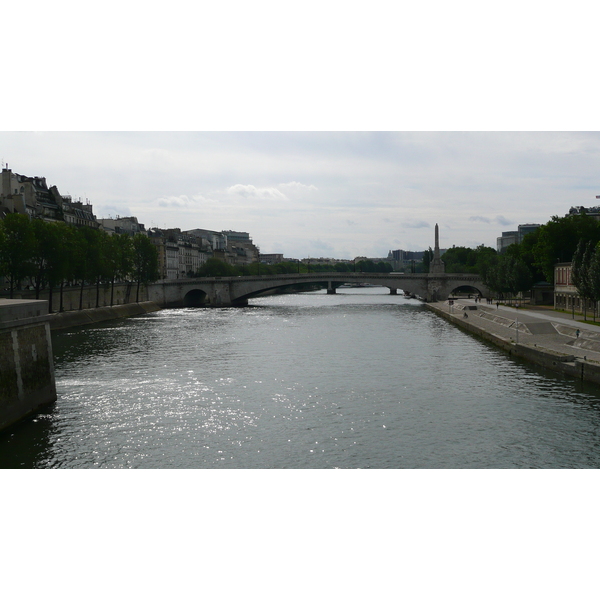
x=467 y=289
x=195 y=298
x=285 y=288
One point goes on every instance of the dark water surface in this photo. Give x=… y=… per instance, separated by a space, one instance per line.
x=360 y=379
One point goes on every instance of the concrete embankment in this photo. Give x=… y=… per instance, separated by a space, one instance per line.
x=76 y=318
x=26 y=364
x=547 y=343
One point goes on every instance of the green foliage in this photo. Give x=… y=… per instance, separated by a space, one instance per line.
x=368 y=266
x=144 y=259
x=52 y=253
x=594 y=274
x=585 y=271
x=507 y=273
x=214 y=267
x=427 y=258
x=460 y=259
x=557 y=240
x=524 y=251
x=120 y=256
x=17 y=249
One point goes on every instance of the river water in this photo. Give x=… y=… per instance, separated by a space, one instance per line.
x=360 y=379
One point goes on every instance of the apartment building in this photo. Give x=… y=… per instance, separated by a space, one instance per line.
x=31 y=196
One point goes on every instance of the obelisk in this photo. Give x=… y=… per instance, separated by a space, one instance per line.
x=437 y=264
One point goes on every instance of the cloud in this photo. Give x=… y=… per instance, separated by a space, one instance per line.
x=104 y=211
x=502 y=221
x=318 y=248
x=499 y=220
x=412 y=224
x=176 y=202
x=348 y=188
x=252 y=192
x=294 y=185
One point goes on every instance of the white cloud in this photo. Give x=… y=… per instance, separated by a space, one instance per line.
x=294 y=189
x=177 y=202
x=252 y=192
x=348 y=188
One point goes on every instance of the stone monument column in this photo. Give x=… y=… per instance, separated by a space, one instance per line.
x=437 y=264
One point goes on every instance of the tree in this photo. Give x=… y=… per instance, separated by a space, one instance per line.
x=427 y=258
x=80 y=248
x=582 y=273
x=145 y=261
x=214 y=267
x=59 y=259
x=17 y=249
x=518 y=275
x=120 y=259
x=594 y=277
x=43 y=248
x=99 y=259
x=577 y=269
x=557 y=240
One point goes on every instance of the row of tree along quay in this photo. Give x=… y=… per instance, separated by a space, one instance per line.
x=573 y=238
x=214 y=267
x=585 y=274
x=50 y=255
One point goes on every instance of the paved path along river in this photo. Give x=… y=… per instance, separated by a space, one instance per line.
x=538 y=326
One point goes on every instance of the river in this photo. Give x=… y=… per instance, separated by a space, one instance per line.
x=360 y=379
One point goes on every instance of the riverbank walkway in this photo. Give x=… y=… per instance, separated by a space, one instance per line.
x=539 y=326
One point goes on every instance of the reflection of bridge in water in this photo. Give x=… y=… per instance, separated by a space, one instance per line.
x=236 y=291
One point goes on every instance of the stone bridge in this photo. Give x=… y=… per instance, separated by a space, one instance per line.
x=235 y=291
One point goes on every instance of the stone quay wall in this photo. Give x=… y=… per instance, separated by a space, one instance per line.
x=567 y=364
x=26 y=364
x=124 y=293
x=76 y=318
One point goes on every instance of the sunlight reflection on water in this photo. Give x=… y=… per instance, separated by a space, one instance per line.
x=360 y=379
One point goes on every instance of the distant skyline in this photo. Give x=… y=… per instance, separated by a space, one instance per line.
x=339 y=194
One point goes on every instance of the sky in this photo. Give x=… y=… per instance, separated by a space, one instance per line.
x=321 y=194
x=321 y=129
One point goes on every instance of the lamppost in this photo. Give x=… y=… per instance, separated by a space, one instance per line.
x=517 y=305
